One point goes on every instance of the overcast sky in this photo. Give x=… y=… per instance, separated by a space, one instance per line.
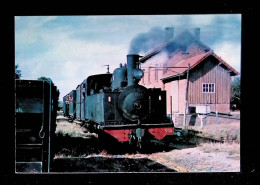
x=67 y=49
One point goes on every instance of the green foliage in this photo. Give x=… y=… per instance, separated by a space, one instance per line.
x=60 y=105
x=18 y=74
x=44 y=78
x=49 y=80
x=235 y=92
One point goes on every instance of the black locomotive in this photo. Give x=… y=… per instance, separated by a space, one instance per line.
x=118 y=105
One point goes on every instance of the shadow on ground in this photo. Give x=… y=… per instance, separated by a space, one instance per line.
x=77 y=146
x=104 y=164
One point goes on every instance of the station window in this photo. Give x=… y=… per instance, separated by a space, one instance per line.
x=208 y=88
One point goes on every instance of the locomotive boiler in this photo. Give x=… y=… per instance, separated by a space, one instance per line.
x=117 y=105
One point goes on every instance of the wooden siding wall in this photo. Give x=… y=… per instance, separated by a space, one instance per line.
x=209 y=72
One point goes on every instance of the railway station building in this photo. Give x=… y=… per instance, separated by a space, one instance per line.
x=191 y=73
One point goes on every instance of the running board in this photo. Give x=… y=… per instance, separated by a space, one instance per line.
x=133 y=126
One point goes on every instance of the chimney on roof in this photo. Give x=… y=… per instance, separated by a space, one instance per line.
x=169 y=33
x=197 y=33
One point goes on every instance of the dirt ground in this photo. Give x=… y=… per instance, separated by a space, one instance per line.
x=201 y=157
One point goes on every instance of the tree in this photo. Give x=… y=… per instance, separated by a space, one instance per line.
x=44 y=78
x=235 y=92
x=18 y=74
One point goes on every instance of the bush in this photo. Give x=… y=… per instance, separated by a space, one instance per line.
x=235 y=101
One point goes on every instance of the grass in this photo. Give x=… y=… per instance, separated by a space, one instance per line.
x=66 y=128
x=231 y=148
x=59 y=113
x=71 y=133
x=223 y=132
x=70 y=129
x=228 y=133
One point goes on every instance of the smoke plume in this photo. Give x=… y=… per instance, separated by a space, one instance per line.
x=147 y=41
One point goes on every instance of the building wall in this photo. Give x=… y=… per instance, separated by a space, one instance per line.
x=207 y=72
x=165 y=59
x=222 y=108
x=210 y=72
x=176 y=90
x=169 y=93
x=153 y=75
x=152 y=80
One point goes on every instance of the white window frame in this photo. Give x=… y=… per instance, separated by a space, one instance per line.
x=207 y=89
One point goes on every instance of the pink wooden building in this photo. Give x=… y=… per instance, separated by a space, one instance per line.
x=208 y=76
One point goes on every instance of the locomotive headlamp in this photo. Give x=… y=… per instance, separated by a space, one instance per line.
x=138 y=74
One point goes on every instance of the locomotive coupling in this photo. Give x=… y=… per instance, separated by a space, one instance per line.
x=135 y=137
x=139 y=133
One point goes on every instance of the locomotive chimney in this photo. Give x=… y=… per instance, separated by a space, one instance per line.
x=132 y=64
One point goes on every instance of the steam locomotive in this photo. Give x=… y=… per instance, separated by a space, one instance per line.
x=117 y=105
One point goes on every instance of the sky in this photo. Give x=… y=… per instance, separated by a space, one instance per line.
x=68 y=49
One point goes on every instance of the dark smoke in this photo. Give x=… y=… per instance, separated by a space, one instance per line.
x=146 y=41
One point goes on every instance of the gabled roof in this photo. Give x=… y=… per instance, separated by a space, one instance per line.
x=178 y=40
x=194 y=61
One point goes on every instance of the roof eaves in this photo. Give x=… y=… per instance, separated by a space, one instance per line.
x=173 y=76
x=156 y=50
x=226 y=64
